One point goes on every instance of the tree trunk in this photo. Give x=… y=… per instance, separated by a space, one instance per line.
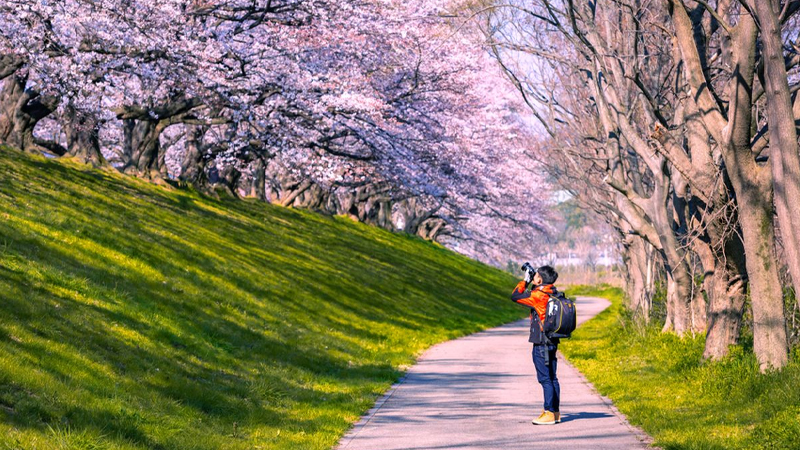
x=258 y=180
x=406 y=209
x=312 y=199
x=678 y=299
x=9 y=65
x=784 y=157
x=753 y=187
x=82 y=139
x=384 y=214
x=289 y=199
x=703 y=295
x=679 y=278
x=751 y=183
x=430 y=229
x=227 y=181
x=769 y=327
x=10 y=97
x=193 y=166
x=727 y=294
x=141 y=147
x=656 y=209
x=20 y=110
x=638 y=283
x=725 y=314
x=687 y=219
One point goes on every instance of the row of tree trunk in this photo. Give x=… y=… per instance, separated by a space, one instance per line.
x=143 y=155
x=676 y=122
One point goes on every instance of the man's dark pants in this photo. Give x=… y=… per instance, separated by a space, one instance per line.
x=546 y=374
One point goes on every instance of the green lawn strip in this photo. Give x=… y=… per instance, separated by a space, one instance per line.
x=661 y=384
x=134 y=316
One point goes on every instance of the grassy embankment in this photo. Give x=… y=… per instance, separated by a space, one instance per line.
x=660 y=383
x=138 y=317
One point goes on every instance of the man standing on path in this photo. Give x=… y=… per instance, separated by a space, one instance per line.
x=544 y=349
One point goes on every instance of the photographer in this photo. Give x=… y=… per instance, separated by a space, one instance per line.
x=544 y=349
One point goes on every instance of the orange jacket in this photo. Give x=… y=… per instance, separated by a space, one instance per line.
x=536 y=299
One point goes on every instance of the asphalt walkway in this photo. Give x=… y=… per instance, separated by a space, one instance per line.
x=480 y=392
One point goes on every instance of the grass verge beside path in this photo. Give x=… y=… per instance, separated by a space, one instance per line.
x=138 y=317
x=661 y=384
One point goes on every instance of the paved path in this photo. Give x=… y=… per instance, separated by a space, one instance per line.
x=480 y=392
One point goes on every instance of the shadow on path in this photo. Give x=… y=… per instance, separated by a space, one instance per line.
x=569 y=417
x=480 y=392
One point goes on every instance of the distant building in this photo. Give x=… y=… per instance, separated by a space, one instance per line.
x=607 y=257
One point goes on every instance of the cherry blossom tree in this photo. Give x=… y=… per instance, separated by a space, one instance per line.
x=388 y=111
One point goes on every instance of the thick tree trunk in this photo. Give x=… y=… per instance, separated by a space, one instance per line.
x=82 y=139
x=226 y=182
x=193 y=166
x=678 y=299
x=312 y=198
x=636 y=259
x=431 y=228
x=10 y=97
x=679 y=278
x=769 y=321
x=141 y=148
x=20 y=110
x=784 y=157
x=751 y=183
x=257 y=180
x=727 y=294
x=703 y=295
x=753 y=187
x=289 y=199
x=725 y=314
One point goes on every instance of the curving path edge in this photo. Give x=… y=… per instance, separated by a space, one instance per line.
x=480 y=392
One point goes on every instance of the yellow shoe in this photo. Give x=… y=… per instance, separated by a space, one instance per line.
x=547 y=418
x=558 y=417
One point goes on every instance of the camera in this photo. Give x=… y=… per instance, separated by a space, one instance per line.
x=529 y=269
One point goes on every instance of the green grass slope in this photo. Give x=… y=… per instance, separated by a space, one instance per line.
x=661 y=384
x=138 y=317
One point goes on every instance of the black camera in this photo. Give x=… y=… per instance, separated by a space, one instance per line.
x=527 y=267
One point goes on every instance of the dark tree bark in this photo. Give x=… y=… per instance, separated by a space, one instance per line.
x=141 y=148
x=751 y=182
x=193 y=165
x=294 y=193
x=726 y=297
x=638 y=270
x=9 y=64
x=226 y=182
x=784 y=156
x=82 y=139
x=21 y=108
x=257 y=181
x=142 y=128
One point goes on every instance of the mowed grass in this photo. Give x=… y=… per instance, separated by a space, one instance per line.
x=661 y=384
x=134 y=316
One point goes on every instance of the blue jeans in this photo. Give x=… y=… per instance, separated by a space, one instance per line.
x=546 y=374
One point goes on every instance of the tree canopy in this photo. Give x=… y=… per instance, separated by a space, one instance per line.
x=388 y=111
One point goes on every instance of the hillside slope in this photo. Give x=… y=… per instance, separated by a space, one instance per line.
x=134 y=316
